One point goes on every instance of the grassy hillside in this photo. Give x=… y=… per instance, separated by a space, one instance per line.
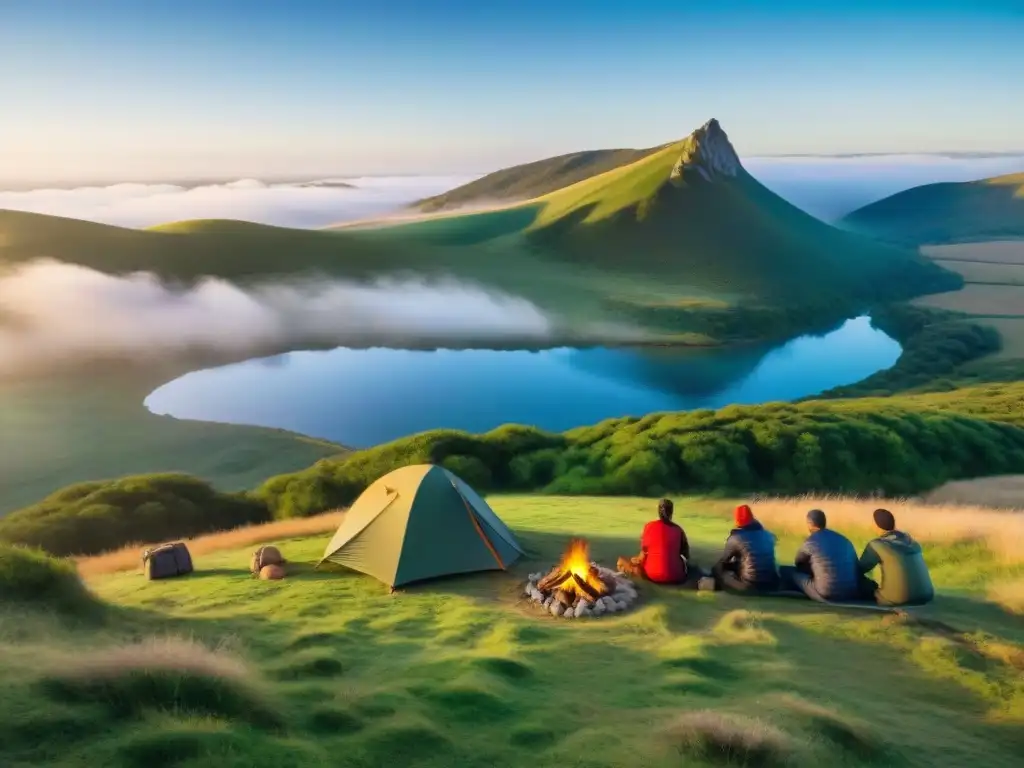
x=327 y=668
x=523 y=182
x=87 y=426
x=949 y=212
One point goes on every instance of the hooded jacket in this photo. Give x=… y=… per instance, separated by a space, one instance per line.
x=832 y=562
x=753 y=550
x=904 y=575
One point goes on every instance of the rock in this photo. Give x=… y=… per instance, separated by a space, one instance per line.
x=547 y=602
x=598 y=608
x=535 y=577
x=709 y=153
x=556 y=608
x=621 y=605
x=611 y=607
x=569 y=614
x=582 y=609
x=528 y=590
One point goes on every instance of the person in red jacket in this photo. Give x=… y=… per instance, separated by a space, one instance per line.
x=664 y=551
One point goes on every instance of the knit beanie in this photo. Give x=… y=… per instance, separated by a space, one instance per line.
x=743 y=516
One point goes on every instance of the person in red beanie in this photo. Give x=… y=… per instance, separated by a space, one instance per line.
x=748 y=562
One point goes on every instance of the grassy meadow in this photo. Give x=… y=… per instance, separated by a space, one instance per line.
x=89 y=426
x=218 y=669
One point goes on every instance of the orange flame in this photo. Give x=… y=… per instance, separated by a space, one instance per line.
x=577 y=560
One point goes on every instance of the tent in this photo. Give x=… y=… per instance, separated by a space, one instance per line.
x=419 y=522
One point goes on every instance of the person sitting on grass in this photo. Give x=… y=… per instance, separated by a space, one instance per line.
x=748 y=562
x=664 y=552
x=903 y=573
x=825 y=565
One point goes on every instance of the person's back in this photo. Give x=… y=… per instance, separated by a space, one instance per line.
x=756 y=547
x=904 y=574
x=833 y=564
x=662 y=543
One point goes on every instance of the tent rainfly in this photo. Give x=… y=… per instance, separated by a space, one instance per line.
x=420 y=522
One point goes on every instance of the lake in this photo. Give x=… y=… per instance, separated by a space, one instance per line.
x=361 y=397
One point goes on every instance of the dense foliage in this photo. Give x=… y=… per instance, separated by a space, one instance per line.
x=852 y=447
x=896 y=445
x=936 y=345
x=31 y=576
x=94 y=517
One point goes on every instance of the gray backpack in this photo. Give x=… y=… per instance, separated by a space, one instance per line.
x=167 y=561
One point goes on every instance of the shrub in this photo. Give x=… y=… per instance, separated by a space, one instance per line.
x=30 y=576
x=899 y=446
x=97 y=517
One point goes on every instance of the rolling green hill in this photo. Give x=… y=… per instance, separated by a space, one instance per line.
x=524 y=182
x=682 y=240
x=951 y=212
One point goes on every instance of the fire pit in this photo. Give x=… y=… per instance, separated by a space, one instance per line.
x=576 y=587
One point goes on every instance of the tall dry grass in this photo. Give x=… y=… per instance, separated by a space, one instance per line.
x=1001 y=531
x=130 y=558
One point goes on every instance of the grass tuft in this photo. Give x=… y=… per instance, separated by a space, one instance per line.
x=850 y=735
x=168 y=675
x=30 y=576
x=745 y=627
x=727 y=739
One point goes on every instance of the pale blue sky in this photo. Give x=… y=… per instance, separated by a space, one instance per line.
x=152 y=88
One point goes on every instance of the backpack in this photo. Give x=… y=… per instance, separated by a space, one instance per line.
x=167 y=561
x=263 y=557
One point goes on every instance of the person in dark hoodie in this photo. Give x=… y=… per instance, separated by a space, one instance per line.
x=826 y=567
x=748 y=562
x=904 y=575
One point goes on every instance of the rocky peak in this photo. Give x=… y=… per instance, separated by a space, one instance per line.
x=708 y=152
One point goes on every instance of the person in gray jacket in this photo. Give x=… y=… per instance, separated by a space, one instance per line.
x=826 y=565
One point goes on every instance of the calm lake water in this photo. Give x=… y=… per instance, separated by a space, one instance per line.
x=360 y=397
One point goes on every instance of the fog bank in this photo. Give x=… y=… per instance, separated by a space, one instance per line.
x=53 y=313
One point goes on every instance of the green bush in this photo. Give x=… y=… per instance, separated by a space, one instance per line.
x=95 y=517
x=31 y=576
x=897 y=445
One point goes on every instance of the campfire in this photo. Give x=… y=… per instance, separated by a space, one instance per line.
x=577 y=587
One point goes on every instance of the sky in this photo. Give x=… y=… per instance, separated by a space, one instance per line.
x=159 y=90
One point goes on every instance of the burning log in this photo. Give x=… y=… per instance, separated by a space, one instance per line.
x=565 y=597
x=588 y=592
x=553 y=580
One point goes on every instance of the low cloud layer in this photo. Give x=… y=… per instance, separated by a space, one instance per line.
x=307 y=205
x=53 y=313
x=831 y=187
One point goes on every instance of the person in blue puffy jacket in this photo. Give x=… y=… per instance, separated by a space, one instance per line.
x=826 y=565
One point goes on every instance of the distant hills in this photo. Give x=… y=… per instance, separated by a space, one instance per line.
x=679 y=238
x=949 y=212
